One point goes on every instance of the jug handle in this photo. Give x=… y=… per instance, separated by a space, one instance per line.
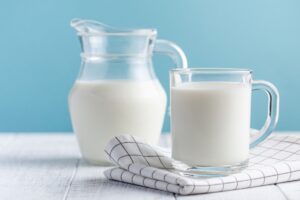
x=172 y=50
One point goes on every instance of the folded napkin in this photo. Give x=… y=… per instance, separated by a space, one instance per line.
x=275 y=160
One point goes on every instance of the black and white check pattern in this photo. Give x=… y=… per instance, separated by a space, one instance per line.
x=273 y=161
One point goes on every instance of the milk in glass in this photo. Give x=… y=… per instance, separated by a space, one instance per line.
x=101 y=110
x=210 y=123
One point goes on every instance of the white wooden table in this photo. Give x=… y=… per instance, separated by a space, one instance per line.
x=48 y=166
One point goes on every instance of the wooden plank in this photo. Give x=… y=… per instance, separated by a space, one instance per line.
x=6 y=139
x=260 y=193
x=37 y=166
x=90 y=183
x=290 y=189
x=295 y=133
x=48 y=166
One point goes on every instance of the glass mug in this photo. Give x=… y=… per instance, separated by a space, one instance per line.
x=210 y=119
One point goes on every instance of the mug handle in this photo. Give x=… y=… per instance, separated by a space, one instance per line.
x=273 y=111
x=172 y=50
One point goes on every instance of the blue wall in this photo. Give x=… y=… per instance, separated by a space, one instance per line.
x=39 y=52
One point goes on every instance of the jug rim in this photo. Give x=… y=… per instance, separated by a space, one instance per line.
x=149 y=32
x=107 y=30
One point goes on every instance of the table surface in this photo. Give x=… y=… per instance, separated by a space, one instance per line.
x=48 y=166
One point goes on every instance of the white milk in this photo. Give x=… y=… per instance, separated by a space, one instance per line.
x=101 y=110
x=211 y=123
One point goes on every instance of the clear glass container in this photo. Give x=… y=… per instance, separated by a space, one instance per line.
x=117 y=91
x=210 y=119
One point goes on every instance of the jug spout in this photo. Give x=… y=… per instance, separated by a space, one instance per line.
x=83 y=27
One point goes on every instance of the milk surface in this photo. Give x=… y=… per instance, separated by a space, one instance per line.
x=210 y=123
x=101 y=110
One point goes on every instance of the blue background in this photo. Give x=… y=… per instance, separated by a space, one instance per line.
x=39 y=52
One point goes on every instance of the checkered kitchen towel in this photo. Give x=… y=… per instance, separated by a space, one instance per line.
x=275 y=160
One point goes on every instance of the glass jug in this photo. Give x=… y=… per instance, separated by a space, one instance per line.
x=117 y=91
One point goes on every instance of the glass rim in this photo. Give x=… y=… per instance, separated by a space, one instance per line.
x=212 y=70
